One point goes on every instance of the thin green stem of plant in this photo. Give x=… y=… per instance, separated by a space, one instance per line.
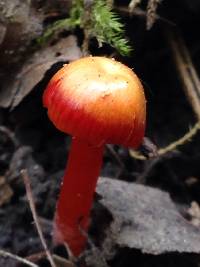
x=173 y=146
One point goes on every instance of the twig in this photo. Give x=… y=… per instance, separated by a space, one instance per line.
x=184 y=139
x=117 y=159
x=185 y=69
x=171 y=147
x=191 y=86
x=35 y=217
x=87 y=16
x=10 y=135
x=141 y=13
x=63 y=262
x=37 y=256
x=151 y=12
x=151 y=15
x=148 y=167
x=6 y=254
x=94 y=253
x=132 y=5
x=115 y=156
x=60 y=261
x=85 y=45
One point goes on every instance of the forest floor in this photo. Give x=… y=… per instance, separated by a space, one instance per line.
x=166 y=58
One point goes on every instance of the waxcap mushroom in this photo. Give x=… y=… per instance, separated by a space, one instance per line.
x=99 y=100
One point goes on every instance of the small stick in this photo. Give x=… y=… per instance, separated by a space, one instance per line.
x=133 y=4
x=185 y=69
x=60 y=261
x=184 y=139
x=115 y=156
x=152 y=6
x=95 y=252
x=10 y=135
x=141 y=13
x=191 y=86
x=35 y=217
x=36 y=257
x=172 y=146
x=87 y=18
x=6 y=254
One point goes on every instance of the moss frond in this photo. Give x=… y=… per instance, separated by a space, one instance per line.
x=102 y=23
x=108 y=28
x=57 y=26
x=74 y=20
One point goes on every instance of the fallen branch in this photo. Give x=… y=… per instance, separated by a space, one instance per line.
x=35 y=217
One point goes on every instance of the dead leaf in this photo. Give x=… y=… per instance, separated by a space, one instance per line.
x=5 y=191
x=145 y=218
x=34 y=69
x=23 y=23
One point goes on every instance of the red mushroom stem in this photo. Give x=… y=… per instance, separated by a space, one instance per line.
x=74 y=204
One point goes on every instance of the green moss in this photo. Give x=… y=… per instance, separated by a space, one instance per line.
x=107 y=28
x=102 y=23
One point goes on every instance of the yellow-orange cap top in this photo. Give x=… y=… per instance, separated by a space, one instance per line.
x=98 y=100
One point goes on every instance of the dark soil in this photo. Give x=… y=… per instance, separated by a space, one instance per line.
x=28 y=140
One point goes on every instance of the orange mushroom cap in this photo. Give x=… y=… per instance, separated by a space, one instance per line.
x=98 y=100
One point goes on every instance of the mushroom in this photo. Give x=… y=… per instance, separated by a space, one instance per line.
x=97 y=101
